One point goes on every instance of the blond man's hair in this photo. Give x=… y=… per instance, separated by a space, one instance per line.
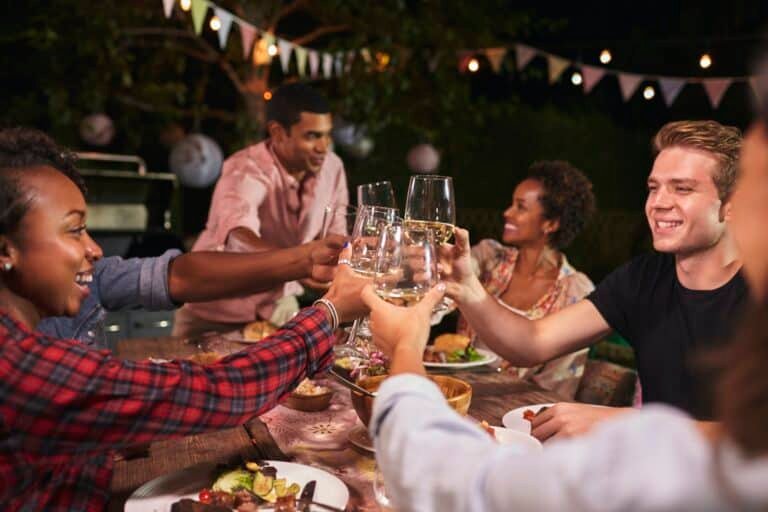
x=720 y=141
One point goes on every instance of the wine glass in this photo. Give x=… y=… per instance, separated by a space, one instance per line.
x=379 y=491
x=406 y=265
x=379 y=193
x=431 y=206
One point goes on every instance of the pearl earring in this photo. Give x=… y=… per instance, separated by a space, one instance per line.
x=7 y=266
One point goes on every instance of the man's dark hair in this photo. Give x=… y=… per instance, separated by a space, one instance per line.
x=22 y=149
x=289 y=101
x=567 y=196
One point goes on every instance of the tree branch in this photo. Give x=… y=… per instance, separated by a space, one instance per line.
x=286 y=10
x=319 y=32
x=144 y=106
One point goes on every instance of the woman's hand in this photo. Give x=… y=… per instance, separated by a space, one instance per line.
x=462 y=285
x=345 y=293
x=402 y=332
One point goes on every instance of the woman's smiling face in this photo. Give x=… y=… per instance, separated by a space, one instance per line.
x=51 y=253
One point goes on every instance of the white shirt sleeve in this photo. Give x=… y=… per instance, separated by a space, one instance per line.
x=432 y=459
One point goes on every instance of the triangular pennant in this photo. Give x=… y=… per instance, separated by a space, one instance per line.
x=495 y=57
x=753 y=86
x=715 y=88
x=168 y=7
x=247 y=34
x=670 y=88
x=314 y=63
x=629 y=82
x=350 y=60
x=556 y=67
x=327 y=65
x=225 y=17
x=523 y=55
x=464 y=58
x=301 y=59
x=268 y=38
x=592 y=75
x=365 y=53
x=338 y=63
x=199 y=10
x=285 y=53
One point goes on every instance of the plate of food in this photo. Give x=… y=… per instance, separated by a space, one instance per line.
x=263 y=482
x=456 y=351
x=512 y=437
x=253 y=332
x=520 y=419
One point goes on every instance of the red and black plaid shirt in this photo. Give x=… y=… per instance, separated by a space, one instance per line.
x=65 y=407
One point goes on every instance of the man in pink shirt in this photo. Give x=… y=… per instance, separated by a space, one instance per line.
x=272 y=195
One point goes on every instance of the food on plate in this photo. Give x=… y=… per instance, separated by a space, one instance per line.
x=309 y=388
x=485 y=426
x=258 y=330
x=451 y=348
x=205 y=357
x=529 y=414
x=244 y=488
x=187 y=505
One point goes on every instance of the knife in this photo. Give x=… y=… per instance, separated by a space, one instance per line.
x=306 y=496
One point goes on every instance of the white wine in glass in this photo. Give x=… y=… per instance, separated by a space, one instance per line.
x=379 y=193
x=406 y=265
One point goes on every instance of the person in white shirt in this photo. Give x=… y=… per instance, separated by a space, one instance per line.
x=654 y=459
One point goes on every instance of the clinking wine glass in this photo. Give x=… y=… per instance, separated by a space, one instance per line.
x=431 y=206
x=379 y=193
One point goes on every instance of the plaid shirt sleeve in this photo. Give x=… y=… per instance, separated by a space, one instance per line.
x=60 y=396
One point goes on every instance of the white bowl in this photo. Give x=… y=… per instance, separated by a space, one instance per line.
x=508 y=436
x=514 y=418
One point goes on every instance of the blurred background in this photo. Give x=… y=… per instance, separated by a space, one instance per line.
x=140 y=77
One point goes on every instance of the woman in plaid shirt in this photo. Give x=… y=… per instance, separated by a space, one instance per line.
x=65 y=408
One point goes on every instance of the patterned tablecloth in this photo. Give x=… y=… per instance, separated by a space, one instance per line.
x=321 y=439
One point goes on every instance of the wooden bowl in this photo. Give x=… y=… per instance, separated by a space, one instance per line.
x=457 y=393
x=309 y=403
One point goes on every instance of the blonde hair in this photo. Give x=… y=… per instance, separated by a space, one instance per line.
x=722 y=142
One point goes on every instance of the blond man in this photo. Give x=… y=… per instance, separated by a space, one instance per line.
x=669 y=304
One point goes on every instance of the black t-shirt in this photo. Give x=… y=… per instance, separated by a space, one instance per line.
x=667 y=324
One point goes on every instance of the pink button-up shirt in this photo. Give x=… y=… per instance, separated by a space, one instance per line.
x=256 y=192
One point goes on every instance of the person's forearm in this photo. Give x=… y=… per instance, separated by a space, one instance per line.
x=407 y=359
x=204 y=276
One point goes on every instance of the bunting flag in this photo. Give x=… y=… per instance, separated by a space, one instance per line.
x=592 y=75
x=247 y=34
x=365 y=53
x=523 y=55
x=168 y=7
x=496 y=57
x=670 y=88
x=268 y=38
x=350 y=61
x=715 y=89
x=199 y=10
x=225 y=17
x=464 y=58
x=628 y=83
x=327 y=65
x=314 y=63
x=285 y=48
x=301 y=60
x=338 y=63
x=556 y=66
x=261 y=56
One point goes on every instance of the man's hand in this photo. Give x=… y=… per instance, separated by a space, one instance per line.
x=461 y=282
x=564 y=420
x=402 y=332
x=323 y=256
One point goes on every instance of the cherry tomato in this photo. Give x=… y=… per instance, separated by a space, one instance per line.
x=204 y=496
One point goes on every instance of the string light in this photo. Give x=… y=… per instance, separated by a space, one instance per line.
x=267 y=95
x=185 y=5
x=605 y=56
x=473 y=65
x=649 y=92
x=576 y=78
x=705 y=61
x=215 y=23
x=272 y=50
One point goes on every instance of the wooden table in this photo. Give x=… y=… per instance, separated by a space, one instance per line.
x=493 y=394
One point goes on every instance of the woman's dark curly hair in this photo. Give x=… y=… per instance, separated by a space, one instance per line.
x=567 y=196
x=22 y=149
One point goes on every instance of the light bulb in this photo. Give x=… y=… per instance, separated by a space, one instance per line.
x=473 y=65
x=185 y=5
x=272 y=50
x=267 y=95
x=215 y=23
x=605 y=56
x=649 y=92
x=705 y=61
x=576 y=78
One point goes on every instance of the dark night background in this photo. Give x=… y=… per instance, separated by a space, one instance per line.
x=63 y=60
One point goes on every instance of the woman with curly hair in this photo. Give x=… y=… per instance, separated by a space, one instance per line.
x=527 y=272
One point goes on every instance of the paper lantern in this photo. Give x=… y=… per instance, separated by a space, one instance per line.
x=353 y=139
x=97 y=129
x=423 y=158
x=196 y=160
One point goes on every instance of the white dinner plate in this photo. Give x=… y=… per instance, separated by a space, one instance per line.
x=511 y=437
x=514 y=418
x=488 y=357
x=159 y=494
